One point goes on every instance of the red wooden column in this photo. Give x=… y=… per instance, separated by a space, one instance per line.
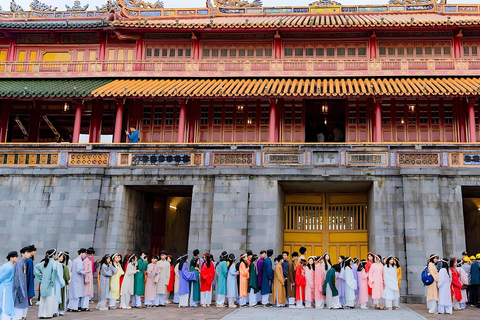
x=96 y=122
x=373 y=46
x=192 y=109
x=272 y=123
x=277 y=46
x=77 y=125
x=117 y=134
x=101 y=52
x=11 y=50
x=34 y=130
x=377 y=137
x=4 y=117
x=471 y=120
x=196 y=47
x=457 y=48
x=181 y=122
x=461 y=119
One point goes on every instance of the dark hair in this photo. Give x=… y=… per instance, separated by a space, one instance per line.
x=432 y=257
x=295 y=254
x=312 y=266
x=372 y=255
x=231 y=258
x=445 y=266
x=279 y=257
x=342 y=264
x=337 y=267
x=47 y=256
x=269 y=252
x=154 y=256
x=223 y=256
x=363 y=262
x=182 y=261
x=104 y=260
x=453 y=262
x=327 y=262
x=134 y=127
x=286 y=252
x=193 y=262
x=302 y=250
x=346 y=262
x=380 y=258
x=397 y=263
x=263 y=251
x=387 y=262
x=208 y=260
x=196 y=252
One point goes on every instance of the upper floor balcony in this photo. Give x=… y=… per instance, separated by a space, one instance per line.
x=245 y=68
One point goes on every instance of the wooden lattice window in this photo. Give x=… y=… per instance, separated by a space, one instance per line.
x=237 y=51
x=303 y=217
x=157 y=51
x=347 y=217
x=418 y=49
x=325 y=50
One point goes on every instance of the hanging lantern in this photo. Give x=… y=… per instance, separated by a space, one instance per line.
x=411 y=108
x=325 y=107
x=66 y=107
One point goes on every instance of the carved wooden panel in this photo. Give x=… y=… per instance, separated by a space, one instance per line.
x=362 y=159
x=233 y=158
x=283 y=158
x=155 y=159
x=88 y=159
x=418 y=159
x=29 y=159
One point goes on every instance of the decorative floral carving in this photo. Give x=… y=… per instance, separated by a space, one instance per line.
x=324 y=3
x=236 y=3
x=77 y=6
x=14 y=7
x=31 y=159
x=89 y=159
x=143 y=5
x=419 y=159
x=109 y=6
x=403 y=2
x=455 y=159
x=232 y=159
x=160 y=159
x=40 y=6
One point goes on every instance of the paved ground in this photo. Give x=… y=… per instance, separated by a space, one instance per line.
x=406 y=312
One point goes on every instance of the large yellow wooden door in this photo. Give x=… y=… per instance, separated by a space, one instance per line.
x=333 y=223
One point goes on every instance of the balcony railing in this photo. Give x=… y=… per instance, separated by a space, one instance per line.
x=233 y=68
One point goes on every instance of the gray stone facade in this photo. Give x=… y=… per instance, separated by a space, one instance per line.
x=412 y=212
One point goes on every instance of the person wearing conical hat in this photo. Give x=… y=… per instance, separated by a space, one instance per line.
x=432 y=289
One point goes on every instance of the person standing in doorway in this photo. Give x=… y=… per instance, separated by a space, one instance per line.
x=163 y=279
x=133 y=136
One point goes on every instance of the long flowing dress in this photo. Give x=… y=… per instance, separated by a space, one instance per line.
x=368 y=265
x=341 y=284
x=164 y=276
x=7 y=310
x=362 y=288
x=207 y=274
x=20 y=290
x=244 y=276
x=259 y=269
x=267 y=276
x=232 y=282
x=375 y=281
x=310 y=286
x=128 y=285
x=390 y=293
x=66 y=278
x=253 y=285
x=195 y=285
x=106 y=272
x=115 y=282
x=88 y=279
x=291 y=281
x=184 y=285
x=278 y=286
x=177 y=282
x=171 y=281
x=75 y=291
x=330 y=291
x=350 y=287
x=47 y=276
x=456 y=288
x=30 y=278
x=222 y=273
x=432 y=289
x=151 y=283
x=464 y=281
x=300 y=283
x=399 y=276
x=355 y=275
x=139 y=278
x=318 y=288
x=444 y=292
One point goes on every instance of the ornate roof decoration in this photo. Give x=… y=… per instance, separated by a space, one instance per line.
x=109 y=6
x=14 y=7
x=77 y=6
x=143 y=5
x=326 y=3
x=411 y=2
x=237 y=3
x=40 y=6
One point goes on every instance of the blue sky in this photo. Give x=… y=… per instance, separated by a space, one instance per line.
x=199 y=3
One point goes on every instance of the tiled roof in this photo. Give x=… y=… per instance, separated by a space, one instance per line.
x=50 y=88
x=54 y=24
x=308 y=21
x=289 y=87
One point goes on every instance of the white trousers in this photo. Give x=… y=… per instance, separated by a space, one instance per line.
x=363 y=305
x=432 y=306
x=84 y=301
x=175 y=298
x=308 y=304
x=220 y=299
x=265 y=299
x=300 y=301
x=73 y=304
x=48 y=306
x=319 y=304
x=350 y=303
x=231 y=302
x=252 y=298
x=136 y=301
x=20 y=313
x=444 y=309
x=259 y=295
x=101 y=304
x=243 y=301
x=159 y=300
x=278 y=304
x=291 y=302
x=390 y=303
x=206 y=297
x=112 y=302
x=125 y=300
x=183 y=300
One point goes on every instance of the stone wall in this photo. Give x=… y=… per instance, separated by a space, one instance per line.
x=412 y=212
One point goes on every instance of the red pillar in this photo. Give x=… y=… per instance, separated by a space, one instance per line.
x=11 y=50
x=181 y=123
x=373 y=46
x=278 y=47
x=117 y=135
x=378 y=121
x=101 y=52
x=457 y=48
x=472 y=127
x=95 y=123
x=78 y=122
x=272 y=123
x=4 y=117
x=461 y=119
x=191 y=122
x=196 y=47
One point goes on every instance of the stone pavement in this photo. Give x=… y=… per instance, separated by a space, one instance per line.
x=468 y=313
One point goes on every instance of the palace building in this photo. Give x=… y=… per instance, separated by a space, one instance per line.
x=345 y=129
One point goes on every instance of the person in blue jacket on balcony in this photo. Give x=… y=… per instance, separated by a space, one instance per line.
x=133 y=136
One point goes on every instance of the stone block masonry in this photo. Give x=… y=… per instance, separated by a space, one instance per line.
x=411 y=212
